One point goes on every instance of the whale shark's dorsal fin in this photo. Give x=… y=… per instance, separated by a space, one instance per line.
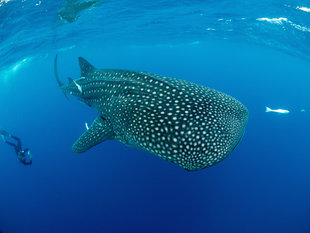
x=85 y=67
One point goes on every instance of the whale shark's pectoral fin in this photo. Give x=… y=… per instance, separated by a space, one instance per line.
x=99 y=131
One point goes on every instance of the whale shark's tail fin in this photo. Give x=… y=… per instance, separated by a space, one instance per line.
x=56 y=71
x=60 y=84
x=86 y=67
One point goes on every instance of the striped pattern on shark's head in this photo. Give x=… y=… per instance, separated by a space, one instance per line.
x=187 y=124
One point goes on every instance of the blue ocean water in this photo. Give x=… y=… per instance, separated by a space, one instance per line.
x=255 y=51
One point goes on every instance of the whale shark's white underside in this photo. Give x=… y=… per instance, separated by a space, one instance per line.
x=189 y=125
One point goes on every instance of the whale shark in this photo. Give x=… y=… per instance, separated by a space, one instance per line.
x=190 y=125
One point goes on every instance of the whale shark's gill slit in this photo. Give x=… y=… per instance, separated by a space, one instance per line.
x=60 y=84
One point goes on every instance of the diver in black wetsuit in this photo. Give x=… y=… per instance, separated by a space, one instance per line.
x=24 y=156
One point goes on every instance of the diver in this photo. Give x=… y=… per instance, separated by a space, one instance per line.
x=71 y=9
x=24 y=156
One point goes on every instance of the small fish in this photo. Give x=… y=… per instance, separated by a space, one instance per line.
x=303 y=110
x=282 y=111
x=86 y=125
x=78 y=86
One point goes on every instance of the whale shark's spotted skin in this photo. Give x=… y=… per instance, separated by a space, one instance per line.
x=189 y=125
